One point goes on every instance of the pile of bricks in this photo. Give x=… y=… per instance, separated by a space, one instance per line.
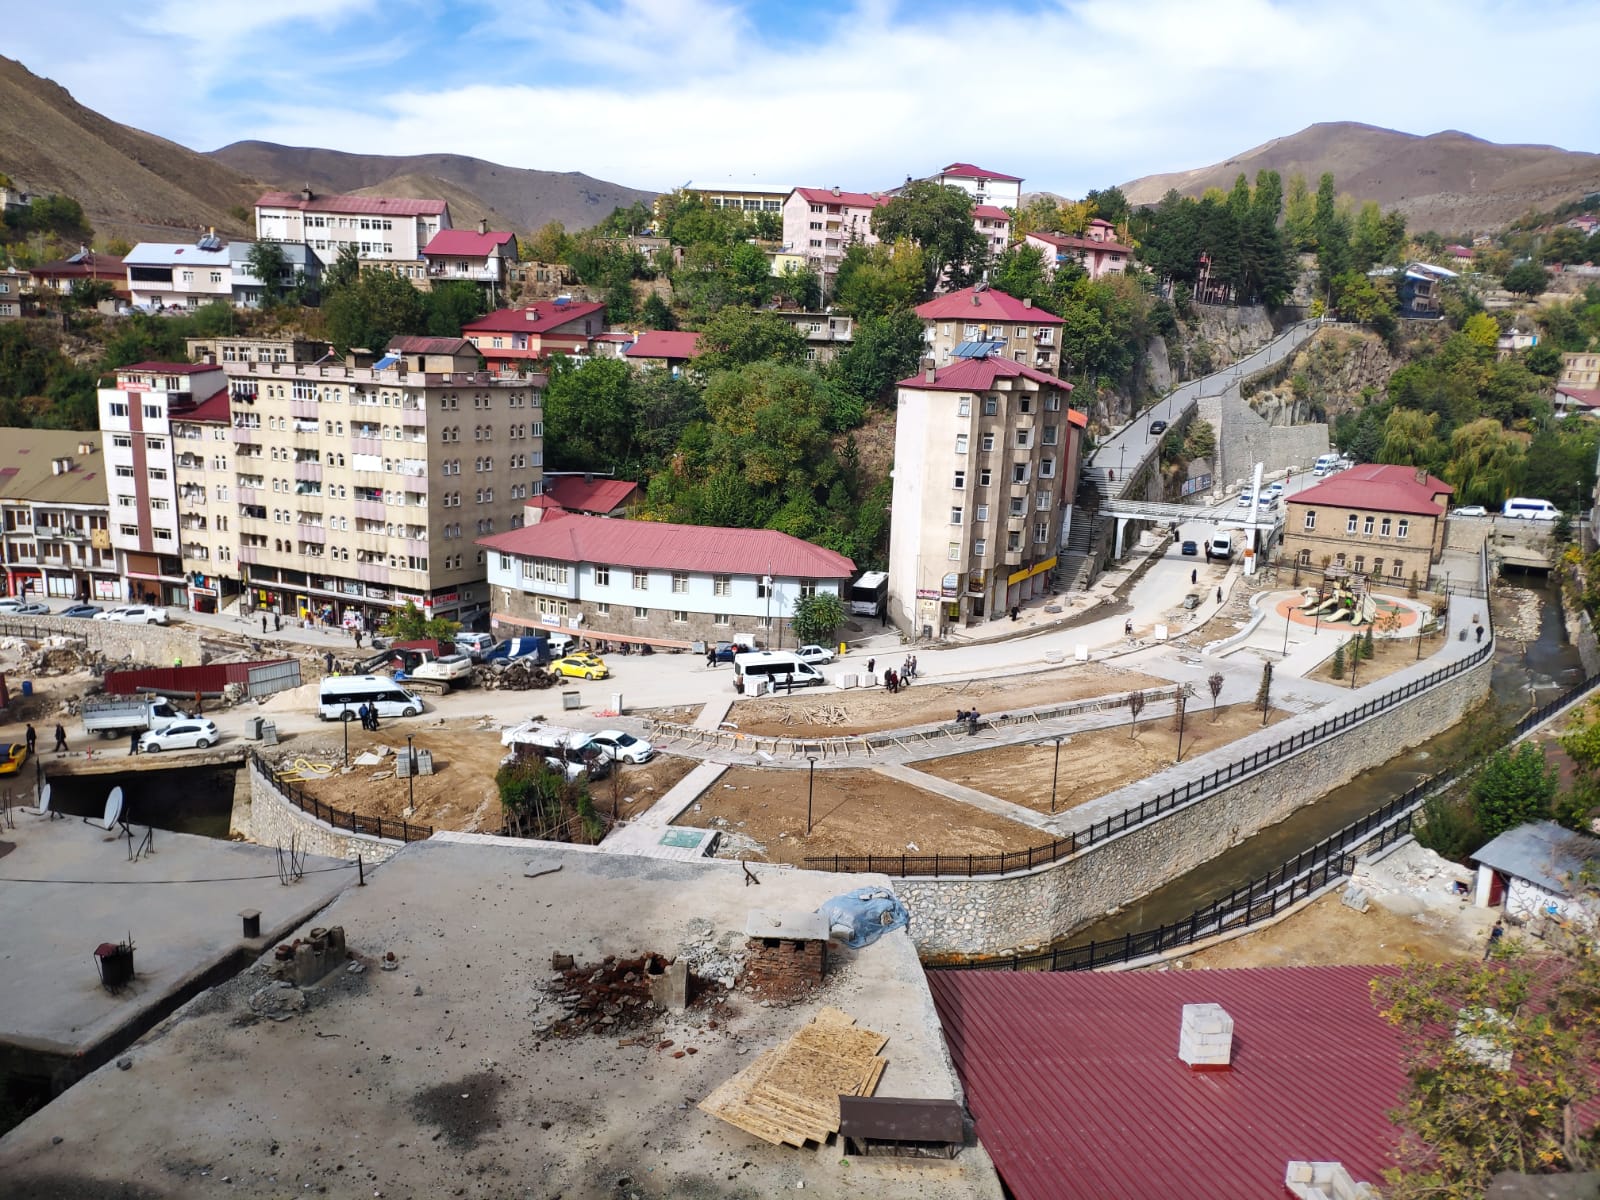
x=784 y=968
x=613 y=994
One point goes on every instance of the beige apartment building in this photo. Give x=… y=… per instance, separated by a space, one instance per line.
x=1013 y=328
x=986 y=464
x=53 y=516
x=343 y=491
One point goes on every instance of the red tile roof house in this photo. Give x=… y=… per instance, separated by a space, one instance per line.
x=478 y=256
x=975 y=314
x=653 y=582
x=668 y=350
x=1372 y=519
x=1097 y=256
x=509 y=339
x=591 y=496
x=820 y=223
x=64 y=274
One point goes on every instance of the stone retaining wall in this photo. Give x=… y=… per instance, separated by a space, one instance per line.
x=267 y=818
x=990 y=915
x=156 y=645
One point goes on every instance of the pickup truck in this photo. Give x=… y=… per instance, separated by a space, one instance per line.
x=438 y=675
x=112 y=715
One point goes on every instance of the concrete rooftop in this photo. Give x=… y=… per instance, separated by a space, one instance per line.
x=434 y=1079
x=67 y=886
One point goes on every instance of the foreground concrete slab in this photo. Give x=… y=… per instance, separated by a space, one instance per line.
x=443 y=1077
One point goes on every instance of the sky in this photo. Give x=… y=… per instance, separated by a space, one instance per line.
x=1069 y=94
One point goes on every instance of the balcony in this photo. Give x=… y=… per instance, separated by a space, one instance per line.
x=372 y=572
x=244 y=436
x=247 y=495
x=304 y=410
x=1013 y=558
x=366 y=445
x=413 y=416
x=371 y=510
x=309 y=472
x=417 y=547
x=311 y=533
x=250 y=554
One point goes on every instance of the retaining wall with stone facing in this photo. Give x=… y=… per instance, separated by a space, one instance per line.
x=159 y=645
x=271 y=819
x=998 y=915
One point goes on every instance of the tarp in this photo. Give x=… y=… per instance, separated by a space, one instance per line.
x=864 y=915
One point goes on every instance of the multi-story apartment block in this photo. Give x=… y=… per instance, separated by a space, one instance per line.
x=300 y=265
x=985 y=187
x=822 y=223
x=655 y=583
x=1580 y=370
x=16 y=293
x=1381 y=521
x=231 y=351
x=1098 y=252
x=379 y=227
x=993 y=225
x=1014 y=328
x=986 y=462
x=356 y=489
x=136 y=418
x=53 y=515
x=206 y=465
x=747 y=197
x=166 y=275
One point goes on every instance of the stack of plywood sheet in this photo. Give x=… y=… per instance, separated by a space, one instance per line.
x=791 y=1093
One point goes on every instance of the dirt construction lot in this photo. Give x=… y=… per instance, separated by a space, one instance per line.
x=831 y=713
x=460 y=795
x=1094 y=763
x=763 y=817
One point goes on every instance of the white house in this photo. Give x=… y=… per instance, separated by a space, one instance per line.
x=1541 y=869
x=985 y=187
x=386 y=228
x=165 y=275
x=651 y=582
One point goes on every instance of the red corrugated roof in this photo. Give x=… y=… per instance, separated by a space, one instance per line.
x=430 y=345
x=1588 y=397
x=656 y=544
x=213 y=408
x=590 y=495
x=664 y=343
x=1077 y=1089
x=991 y=306
x=168 y=368
x=1064 y=242
x=1379 y=489
x=385 y=206
x=968 y=171
x=535 y=318
x=828 y=196
x=467 y=242
x=991 y=212
x=979 y=374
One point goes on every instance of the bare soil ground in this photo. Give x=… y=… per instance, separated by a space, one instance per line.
x=1094 y=764
x=460 y=795
x=829 y=713
x=763 y=816
x=1388 y=656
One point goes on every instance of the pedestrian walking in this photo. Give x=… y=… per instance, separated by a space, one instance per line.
x=1194 y=576
x=61 y=740
x=327 y=662
x=914 y=667
x=871 y=664
x=711 y=656
x=889 y=680
x=263 y=622
x=358 y=637
x=372 y=718
x=133 y=742
x=1495 y=934
x=277 y=623
x=33 y=737
x=1219 y=593
x=1127 y=627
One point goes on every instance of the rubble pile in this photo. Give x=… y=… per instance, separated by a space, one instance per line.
x=516 y=676
x=611 y=995
x=719 y=960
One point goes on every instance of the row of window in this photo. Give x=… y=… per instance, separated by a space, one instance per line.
x=485 y=433
x=552 y=571
x=1397 y=568
x=1018 y=508
x=552 y=608
x=980 y=546
x=1366 y=525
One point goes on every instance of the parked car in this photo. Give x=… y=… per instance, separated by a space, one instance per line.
x=623 y=746
x=194 y=734
x=1245 y=500
x=81 y=610
x=1470 y=510
x=134 y=614
x=815 y=655
x=476 y=645
x=580 y=667
x=23 y=608
x=1157 y=428
x=12 y=757
x=1190 y=549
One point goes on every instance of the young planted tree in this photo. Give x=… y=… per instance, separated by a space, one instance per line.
x=1367 y=648
x=1136 y=701
x=1338 y=661
x=1214 y=682
x=1264 y=692
x=817 y=617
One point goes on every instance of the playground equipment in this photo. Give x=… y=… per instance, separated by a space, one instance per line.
x=1343 y=604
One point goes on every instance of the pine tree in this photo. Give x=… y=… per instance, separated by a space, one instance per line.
x=1367 y=648
x=1338 y=661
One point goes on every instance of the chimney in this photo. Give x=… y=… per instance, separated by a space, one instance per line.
x=1422 y=476
x=975 y=300
x=1027 y=302
x=483 y=224
x=930 y=373
x=836 y=189
x=60 y=466
x=85 y=447
x=1205 y=1038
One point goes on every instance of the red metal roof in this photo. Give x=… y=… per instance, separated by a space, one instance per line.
x=663 y=343
x=829 y=196
x=430 y=345
x=468 y=243
x=213 y=408
x=384 y=206
x=103 y=266
x=1379 y=489
x=968 y=171
x=1065 y=242
x=656 y=544
x=590 y=495
x=991 y=306
x=991 y=212
x=1588 y=397
x=167 y=368
x=1077 y=1089
x=535 y=318
x=979 y=375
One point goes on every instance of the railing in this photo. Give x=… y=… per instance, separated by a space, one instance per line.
x=338 y=818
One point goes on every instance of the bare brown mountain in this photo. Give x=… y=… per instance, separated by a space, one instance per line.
x=1450 y=182
x=511 y=197
x=131 y=184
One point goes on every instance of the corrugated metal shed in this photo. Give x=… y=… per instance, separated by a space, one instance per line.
x=1541 y=852
x=1077 y=1089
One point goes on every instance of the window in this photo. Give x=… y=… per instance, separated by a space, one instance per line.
x=961 y=443
x=960 y=481
x=1041 y=532
x=152 y=412
x=1377 y=566
x=640 y=613
x=981 y=513
x=964 y=406
x=1383 y=528
x=1047 y=468
x=1019 y=472
x=1361 y=564
x=1403 y=528
x=980 y=547
x=1013 y=541
x=1049 y=435
x=680 y=616
x=1351 y=522
x=602 y=576
x=985 y=477
x=990 y=406
x=1305 y=558
x=1018 y=504
x=124 y=472
x=1041 y=501
x=953 y=552
x=118 y=410
x=721 y=585
x=1311 y=519
x=1398 y=569
x=987 y=444
x=1366 y=527
x=122 y=441
x=722 y=619
x=1024 y=438
x=680 y=581
x=641 y=581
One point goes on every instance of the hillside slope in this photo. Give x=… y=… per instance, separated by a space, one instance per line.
x=131 y=184
x=1450 y=182
x=515 y=197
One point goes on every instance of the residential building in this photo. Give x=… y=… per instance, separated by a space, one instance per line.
x=511 y=339
x=826 y=333
x=985 y=187
x=746 y=197
x=379 y=227
x=1569 y=401
x=14 y=199
x=478 y=256
x=206 y=464
x=1580 y=370
x=300 y=266
x=1419 y=287
x=590 y=496
x=1098 y=256
x=664 y=350
x=167 y=275
x=230 y=350
x=1540 y=869
x=53 y=513
x=653 y=582
x=1017 y=329
x=63 y=274
x=136 y=418
x=986 y=453
x=1522 y=335
x=1377 y=521
x=993 y=225
x=16 y=294
x=822 y=223
x=540 y=280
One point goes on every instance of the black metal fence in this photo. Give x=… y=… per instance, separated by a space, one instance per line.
x=394 y=831
x=1194 y=789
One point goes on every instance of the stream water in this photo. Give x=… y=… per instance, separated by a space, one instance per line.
x=1524 y=676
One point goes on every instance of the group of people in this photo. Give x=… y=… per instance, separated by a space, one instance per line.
x=970 y=719
x=369 y=716
x=895 y=680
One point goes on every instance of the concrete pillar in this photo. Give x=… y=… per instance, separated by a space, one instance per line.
x=1485 y=882
x=1116 y=552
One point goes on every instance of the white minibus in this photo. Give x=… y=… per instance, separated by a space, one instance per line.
x=778 y=668
x=340 y=696
x=1530 y=510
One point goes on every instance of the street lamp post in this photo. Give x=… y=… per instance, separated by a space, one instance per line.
x=1355 y=657
x=766 y=582
x=1287 y=619
x=811 y=781
x=1056 y=776
x=1183 y=708
x=411 y=777
x=346 y=723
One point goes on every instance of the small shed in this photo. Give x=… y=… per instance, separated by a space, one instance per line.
x=1536 y=870
x=786 y=953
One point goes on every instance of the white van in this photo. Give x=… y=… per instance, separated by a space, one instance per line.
x=1220 y=546
x=779 y=668
x=571 y=751
x=1530 y=510
x=340 y=696
x=1324 y=464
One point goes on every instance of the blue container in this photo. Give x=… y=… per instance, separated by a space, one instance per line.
x=27 y=687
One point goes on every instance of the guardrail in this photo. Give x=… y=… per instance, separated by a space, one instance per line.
x=338 y=818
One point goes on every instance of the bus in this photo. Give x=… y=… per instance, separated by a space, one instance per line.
x=340 y=696
x=778 y=669
x=869 y=595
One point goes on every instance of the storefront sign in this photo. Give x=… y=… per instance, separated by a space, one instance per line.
x=1030 y=572
x=927 y=593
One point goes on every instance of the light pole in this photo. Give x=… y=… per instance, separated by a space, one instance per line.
x=1056 y=776
x=811 y=782
x=346 y=723
x=411 y=778
x=1355 y=657
x=1183 y=707
x=1287 y=619
x=766 y=582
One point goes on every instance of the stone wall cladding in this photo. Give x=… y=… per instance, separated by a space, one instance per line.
x=154 y=645
x=270 y=820
x=1245 y=438
x=958 y=916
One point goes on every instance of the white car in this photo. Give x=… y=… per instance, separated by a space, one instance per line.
x=1275 y=489
x=134 y=614
x=623 y=746
x=815 y=655
x=1245 y=500
x=1470 y=510
x=194 y=734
